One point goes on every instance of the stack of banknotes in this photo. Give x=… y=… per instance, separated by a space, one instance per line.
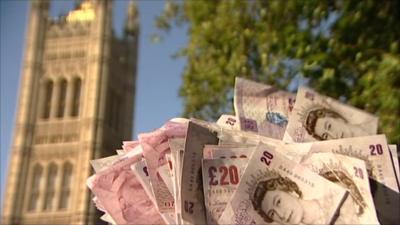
x=282 y=159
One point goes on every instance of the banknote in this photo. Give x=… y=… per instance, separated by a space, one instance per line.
x=316 y=118
x=262 y=108
x=220 y=179
x=243 y=138
x=274 y=189
x=351 y=174
x=235 y=137
x=227 y=151
x=166 y=176
x=276 y=161
x=95 y=199
x=120 y=152
x=295 y=151
x=168 y=156
x=177 y=147
x=192 y=199
x=107 y=218
x=229 y=122
x=98 y=165
x=140 y=170
x=114 y=187
x=395 y=160
x=106 y=162
x=374 y=151
x=102 y=163
x=155 y=145
x=129 y=145
x=89 y=183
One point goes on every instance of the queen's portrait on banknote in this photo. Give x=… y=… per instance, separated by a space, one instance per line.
x=351 y=174
x=324 y=124
x=316 y=118
x=342 y=179
x=279 y=199
x=354 y=205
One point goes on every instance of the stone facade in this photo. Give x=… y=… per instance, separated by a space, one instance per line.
x=75 y=103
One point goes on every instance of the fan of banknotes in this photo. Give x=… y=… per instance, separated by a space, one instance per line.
x=282 y=159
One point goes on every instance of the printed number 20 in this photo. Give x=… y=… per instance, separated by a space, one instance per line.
x=358 y=172
x=376 y=149
x=189 y=207
x=232 y=171
x=230 y=121
x=266 y=158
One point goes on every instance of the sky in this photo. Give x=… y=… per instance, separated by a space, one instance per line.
x=158 y=80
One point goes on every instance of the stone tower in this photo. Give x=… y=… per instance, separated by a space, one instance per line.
x=75 y=103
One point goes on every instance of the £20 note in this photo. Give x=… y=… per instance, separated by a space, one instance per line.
x=262 y=108
x=220 y=179
x=274 y=189
x=351 y=174
x=316 y=118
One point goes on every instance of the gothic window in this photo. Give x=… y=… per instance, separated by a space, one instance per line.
x=35 y=186
x=50 y=187
x=76 y=97
x=48 y=92
x=65 y=186
x=61 y=98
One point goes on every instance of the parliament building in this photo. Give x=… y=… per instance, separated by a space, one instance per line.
x=75 y=103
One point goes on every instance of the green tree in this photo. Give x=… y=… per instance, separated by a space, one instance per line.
x=346 y=49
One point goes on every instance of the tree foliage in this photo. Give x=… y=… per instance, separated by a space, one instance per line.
x=346 y=49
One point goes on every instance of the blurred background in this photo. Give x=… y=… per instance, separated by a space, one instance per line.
x=187 y=55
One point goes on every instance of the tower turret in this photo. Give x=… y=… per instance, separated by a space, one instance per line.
x=132 y=19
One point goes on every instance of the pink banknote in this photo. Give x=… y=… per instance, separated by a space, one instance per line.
x=120 y=193
x=129 y=145
x=155 y=145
